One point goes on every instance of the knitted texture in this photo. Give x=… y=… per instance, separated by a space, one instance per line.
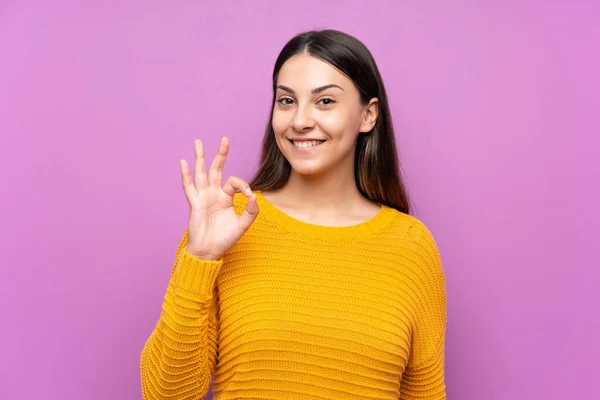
x=302 y=311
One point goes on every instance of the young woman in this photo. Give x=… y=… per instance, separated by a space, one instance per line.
x=330 y=291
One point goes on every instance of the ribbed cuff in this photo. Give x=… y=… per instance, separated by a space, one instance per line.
x=196 y=275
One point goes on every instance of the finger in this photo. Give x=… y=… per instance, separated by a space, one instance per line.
x=199 y=169
x=215 y=175
x=186 y=179
x=235 y=184
x=249 y=214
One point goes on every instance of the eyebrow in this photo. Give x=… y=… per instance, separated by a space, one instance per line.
x=314 y=91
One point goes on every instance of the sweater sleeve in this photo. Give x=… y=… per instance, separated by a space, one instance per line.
x=423 y=376
x=179 y=358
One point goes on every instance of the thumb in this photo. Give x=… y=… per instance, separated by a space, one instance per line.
x=250 y=212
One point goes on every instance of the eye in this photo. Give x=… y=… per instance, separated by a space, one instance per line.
x=285 y=101
x=326 y=101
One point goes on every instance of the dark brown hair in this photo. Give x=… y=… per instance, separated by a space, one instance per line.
x=376 y=168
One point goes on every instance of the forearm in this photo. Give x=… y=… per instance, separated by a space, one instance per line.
x=178 y=359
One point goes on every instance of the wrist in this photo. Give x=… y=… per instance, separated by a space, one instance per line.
x=203 y=256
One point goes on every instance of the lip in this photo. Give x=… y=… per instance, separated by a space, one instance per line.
x=305 y=150
x=305 y=140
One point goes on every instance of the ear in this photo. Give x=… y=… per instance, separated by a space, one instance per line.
x=370 y=114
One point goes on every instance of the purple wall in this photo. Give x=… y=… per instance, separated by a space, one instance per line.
x=494 y=107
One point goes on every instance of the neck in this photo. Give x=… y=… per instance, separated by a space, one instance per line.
x=332 y=190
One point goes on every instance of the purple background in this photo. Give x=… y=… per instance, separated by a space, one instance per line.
x=496 y=109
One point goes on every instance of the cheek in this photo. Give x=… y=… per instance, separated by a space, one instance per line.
x=280 y=122
x=338 y=125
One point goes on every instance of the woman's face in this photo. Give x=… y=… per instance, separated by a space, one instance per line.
x=318 y=116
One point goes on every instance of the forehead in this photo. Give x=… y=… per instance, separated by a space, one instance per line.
x=303 y=71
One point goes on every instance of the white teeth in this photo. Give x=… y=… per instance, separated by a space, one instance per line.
x=308 y=144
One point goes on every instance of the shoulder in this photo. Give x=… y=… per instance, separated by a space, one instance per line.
x=419 y=258
x=410 y=228
x=421 y=235
x=414 y=242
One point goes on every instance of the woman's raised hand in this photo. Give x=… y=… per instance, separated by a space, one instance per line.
x=214 y=226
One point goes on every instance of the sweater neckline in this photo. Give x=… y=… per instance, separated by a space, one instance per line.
x=326 y=232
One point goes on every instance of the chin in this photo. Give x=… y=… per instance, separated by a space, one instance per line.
x=307 y=170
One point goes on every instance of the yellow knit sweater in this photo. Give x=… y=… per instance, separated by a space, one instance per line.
x=302 y=311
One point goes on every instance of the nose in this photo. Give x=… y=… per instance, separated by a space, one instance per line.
x=303 y=119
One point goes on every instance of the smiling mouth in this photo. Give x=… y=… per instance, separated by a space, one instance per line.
x=307 y=144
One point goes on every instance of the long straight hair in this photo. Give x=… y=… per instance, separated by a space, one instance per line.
x=376 y=170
